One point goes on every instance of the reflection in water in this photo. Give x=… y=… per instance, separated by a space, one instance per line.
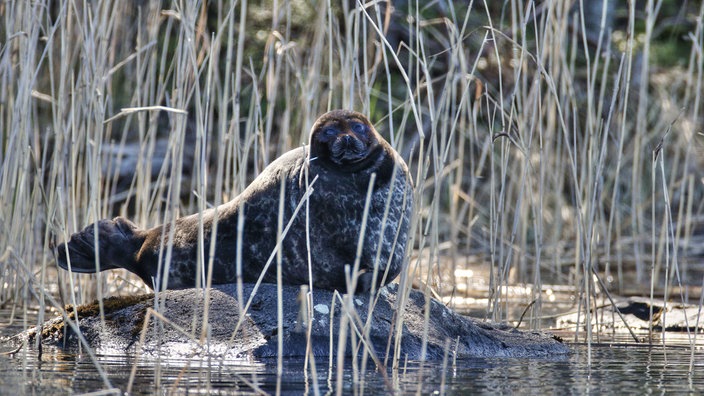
x=624 y=368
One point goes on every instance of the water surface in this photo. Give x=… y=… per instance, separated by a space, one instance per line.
x=615 y=368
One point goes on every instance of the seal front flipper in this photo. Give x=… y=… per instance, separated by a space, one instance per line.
x=118 y=241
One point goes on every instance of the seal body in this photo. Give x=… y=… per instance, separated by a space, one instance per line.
x=321 y=218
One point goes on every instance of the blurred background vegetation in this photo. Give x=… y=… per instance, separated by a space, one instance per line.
x=551 y=143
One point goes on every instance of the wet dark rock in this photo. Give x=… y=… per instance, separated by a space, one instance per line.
x=182 y=335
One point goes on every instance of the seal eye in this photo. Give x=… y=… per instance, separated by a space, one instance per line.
x=330 y=131
x=358 y=127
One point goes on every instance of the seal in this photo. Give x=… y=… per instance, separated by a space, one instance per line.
x=325 y=221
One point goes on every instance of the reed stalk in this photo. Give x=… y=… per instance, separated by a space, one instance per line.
x=526 y=127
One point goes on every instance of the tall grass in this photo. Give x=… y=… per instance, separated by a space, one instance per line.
x=531 y=130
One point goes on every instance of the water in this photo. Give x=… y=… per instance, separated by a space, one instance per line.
x=616 y=368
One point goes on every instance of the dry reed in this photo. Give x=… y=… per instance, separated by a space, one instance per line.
x=530 y=138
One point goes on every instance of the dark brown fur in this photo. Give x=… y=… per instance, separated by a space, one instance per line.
x=344 y=152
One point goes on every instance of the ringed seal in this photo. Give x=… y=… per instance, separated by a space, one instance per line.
x=344 y=151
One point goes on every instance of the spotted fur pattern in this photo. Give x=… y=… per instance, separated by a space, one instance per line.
x=344 y=152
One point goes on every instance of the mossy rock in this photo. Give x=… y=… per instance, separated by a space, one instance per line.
x=177 y=329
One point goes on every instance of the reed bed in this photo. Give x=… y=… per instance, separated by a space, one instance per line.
x=548 y=145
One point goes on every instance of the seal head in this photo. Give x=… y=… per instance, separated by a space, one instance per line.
x=344 y=139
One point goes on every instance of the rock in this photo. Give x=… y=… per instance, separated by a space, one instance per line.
x=182 y=335
x=670 y=316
